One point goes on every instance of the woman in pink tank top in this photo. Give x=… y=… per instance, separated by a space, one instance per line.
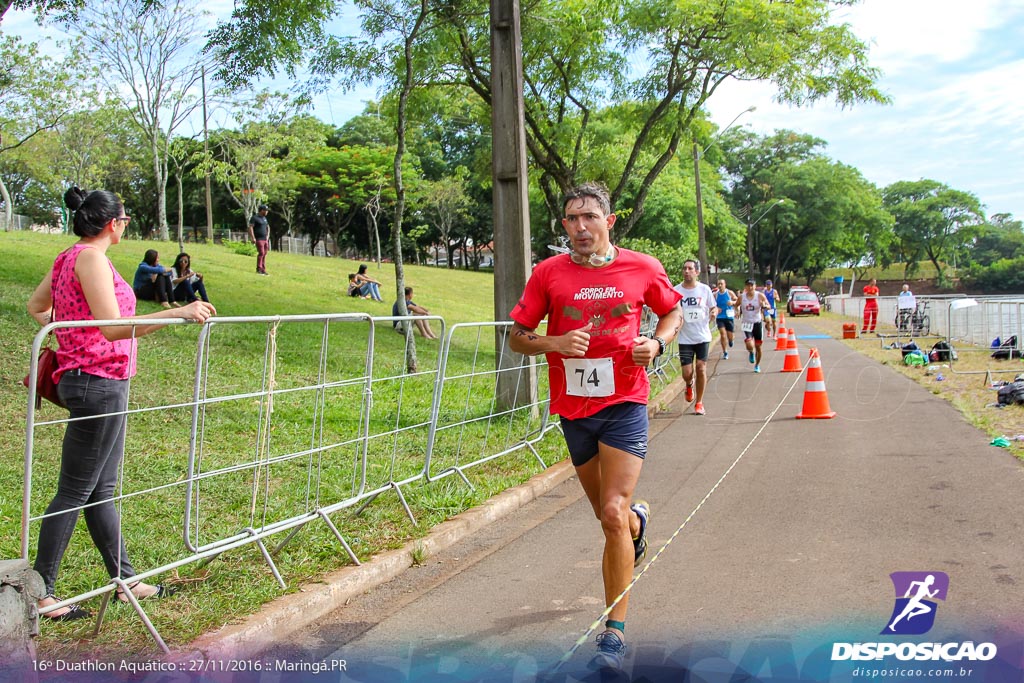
x=94 y=366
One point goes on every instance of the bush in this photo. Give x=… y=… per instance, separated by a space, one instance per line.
x=243 y=248
x=1005 y=275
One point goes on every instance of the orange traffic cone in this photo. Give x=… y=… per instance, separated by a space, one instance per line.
x=782 y=317
x=781 y=341
x=792 y=361
x=815 y=397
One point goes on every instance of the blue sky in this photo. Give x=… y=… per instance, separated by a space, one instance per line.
x=954 y=70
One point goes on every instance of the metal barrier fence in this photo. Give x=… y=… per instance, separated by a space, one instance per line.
x=18 y=222
x=319 y=406
x=929 y=318
x=954 y=317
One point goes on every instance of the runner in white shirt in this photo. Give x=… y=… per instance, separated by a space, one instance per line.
x=698 y=304
x=752 y=305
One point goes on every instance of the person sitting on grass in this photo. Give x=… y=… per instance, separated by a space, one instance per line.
x=153 y=282
x=367 y=285
x=414 y=309
x=188 y=284
x=353 y=287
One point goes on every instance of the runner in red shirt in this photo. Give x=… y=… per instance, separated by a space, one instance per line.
x=870 y=307
x=593 y=299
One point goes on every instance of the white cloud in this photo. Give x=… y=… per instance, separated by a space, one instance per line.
x=956 y=106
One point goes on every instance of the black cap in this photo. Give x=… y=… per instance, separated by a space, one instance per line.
x=263 y=207
x=751 y=281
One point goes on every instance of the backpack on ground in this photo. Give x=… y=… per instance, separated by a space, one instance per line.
x=909 y=348
x=915 y=357
x=1007 y=350
x=1012 y=393
x=942 y=351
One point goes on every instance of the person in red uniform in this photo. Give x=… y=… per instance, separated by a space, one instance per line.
x=870 y=307
x=593 y=299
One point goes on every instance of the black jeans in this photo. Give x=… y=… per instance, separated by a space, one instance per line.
x=90 y=458
x=162 y=290
x=186 y=291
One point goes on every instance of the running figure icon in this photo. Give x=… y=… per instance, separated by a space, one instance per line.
x=916 y=607
x=917 y=596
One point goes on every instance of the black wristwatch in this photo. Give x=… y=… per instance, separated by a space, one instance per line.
x=661 y=345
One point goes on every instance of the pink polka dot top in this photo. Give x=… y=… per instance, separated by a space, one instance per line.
x=85 y=348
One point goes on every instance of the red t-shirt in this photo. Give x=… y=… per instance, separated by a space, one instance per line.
x=870 y=291
x=612 y=298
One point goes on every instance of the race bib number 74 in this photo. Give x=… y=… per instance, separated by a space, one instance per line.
x=591 y=377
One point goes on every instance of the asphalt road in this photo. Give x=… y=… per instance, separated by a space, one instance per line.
x=791 y=552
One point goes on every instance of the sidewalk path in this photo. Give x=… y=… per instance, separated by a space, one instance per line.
x=795 y=545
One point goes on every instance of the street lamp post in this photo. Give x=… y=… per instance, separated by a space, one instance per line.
x=750 y=235
x=702 y=247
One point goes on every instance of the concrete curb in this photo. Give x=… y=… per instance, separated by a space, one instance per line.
x=288 y=613
x=294 y=611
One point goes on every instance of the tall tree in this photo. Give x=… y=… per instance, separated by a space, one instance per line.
x=830 y=214
x=57 y=10
x=36 y=94
x=578 y=56
x=931 y=218
x=147 y=57
x=391 y=51
x=446 y=201
x=1001 y=238
x=247 y=160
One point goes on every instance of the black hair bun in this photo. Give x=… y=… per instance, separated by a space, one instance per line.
x=74 y=198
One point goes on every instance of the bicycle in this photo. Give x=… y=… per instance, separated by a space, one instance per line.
x=920 y=323
x=915 y=321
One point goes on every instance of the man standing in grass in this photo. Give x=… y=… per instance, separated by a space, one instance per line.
x=593 y=299
x=259 y=232
x=870 y=307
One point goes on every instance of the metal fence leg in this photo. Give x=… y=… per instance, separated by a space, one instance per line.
x=401 y=498
x=341 y=539
x=543 y=465
x=127 y=592
x=268 y=558
x=366 y=504
x=287 y=539
x=457 y=470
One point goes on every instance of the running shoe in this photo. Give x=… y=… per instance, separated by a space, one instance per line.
x=698 y=409
x=730 y=343
x=610 y=651
x=725 y=355
x=751 y=357
x=643 y=511
x=757 y=368
x=689 y=393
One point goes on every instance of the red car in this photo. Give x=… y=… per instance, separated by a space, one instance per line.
x=803 y=301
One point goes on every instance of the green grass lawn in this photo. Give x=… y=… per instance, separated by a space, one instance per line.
x=239 y=581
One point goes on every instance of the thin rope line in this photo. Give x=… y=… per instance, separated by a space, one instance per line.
x=597 y=623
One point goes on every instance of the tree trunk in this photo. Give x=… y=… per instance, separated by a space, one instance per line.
x=411 y=362
x=181 y=214
x=8 y=208
x=161 y=191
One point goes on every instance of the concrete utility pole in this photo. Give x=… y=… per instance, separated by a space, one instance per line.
x=511 y=204
x=702 y=249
